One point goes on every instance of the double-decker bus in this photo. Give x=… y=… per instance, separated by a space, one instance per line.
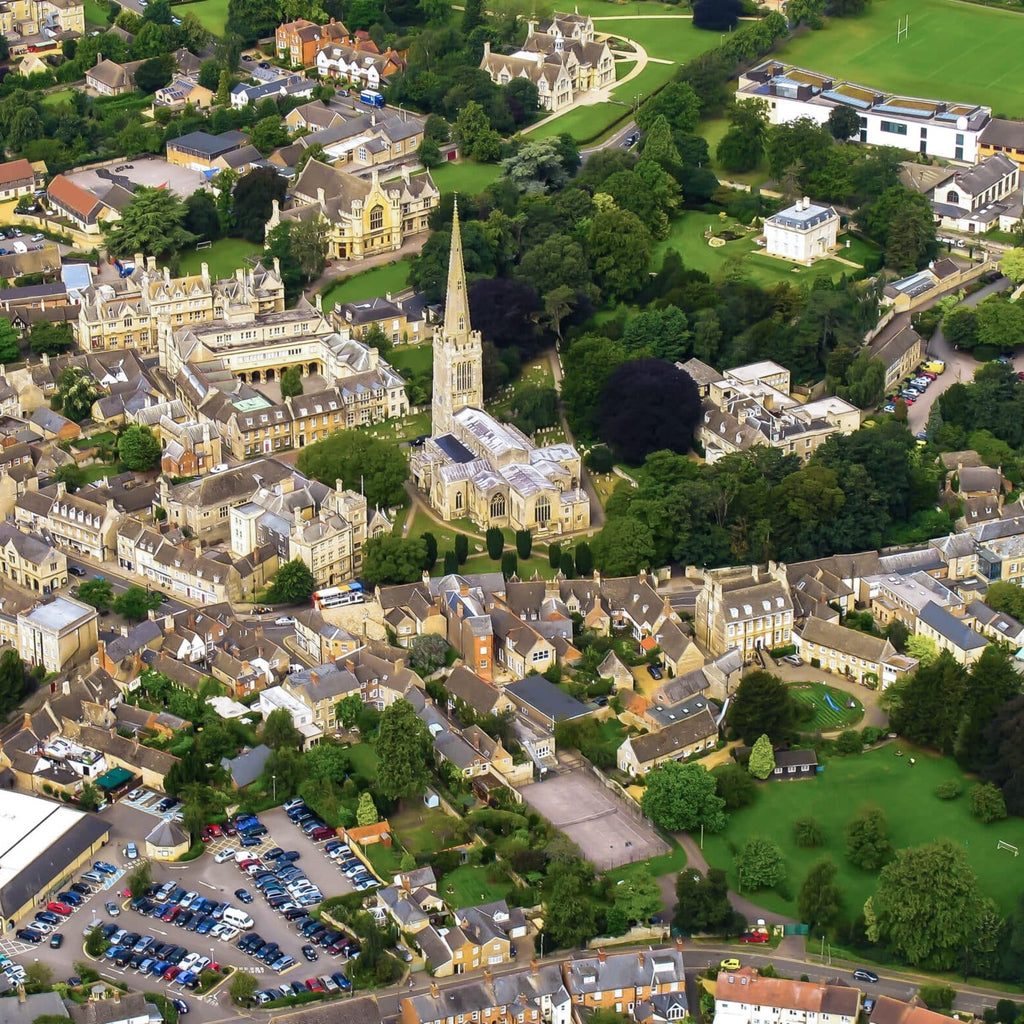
x=334 y=597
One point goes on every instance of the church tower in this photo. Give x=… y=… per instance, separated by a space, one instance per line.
x=458 y=349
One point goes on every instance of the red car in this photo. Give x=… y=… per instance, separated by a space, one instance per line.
x=211 y=832
x=314 y=985
x=59 y=908
x=171 y=973
x=754 y=937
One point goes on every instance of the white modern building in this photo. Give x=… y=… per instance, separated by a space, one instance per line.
x=933 y=127
x=803 y=232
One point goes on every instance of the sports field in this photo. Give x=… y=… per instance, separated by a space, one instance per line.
x=224 y=257
x=905 y=792
x=212 y=14
x=954 y=51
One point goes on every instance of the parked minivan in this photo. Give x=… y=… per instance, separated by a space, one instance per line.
x=237 y=918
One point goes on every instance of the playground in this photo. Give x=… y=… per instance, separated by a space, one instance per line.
x=903 y=786
x=832 y=707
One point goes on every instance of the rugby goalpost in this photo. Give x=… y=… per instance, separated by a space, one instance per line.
x=1007 y=846
x=902 y=28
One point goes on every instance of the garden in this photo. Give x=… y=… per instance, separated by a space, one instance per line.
x=223 y=257
x=832 y=709
x=899 y=779
x=367 y=284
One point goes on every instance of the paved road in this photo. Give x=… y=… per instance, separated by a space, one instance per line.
x=960 y=366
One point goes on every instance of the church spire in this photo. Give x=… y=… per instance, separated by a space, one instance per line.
x=456 y=307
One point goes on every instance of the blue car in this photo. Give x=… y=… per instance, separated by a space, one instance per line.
x=104 y=866
x=157 y=968
x=341 y=981
x=206 y=925
x=71 y=898
x=185 y=977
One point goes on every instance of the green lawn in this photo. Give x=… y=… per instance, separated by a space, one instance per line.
x=422 y=829
x=212 y=14
x=410 y=359
x=52 y=99
x=367 y=284
x=670 y=863
x=948 y=42
x=364 y=760
x=470 y=885
x=905 y=792
x=671 y=39
x=826 y=718
x=614 y=9
x=224 y=257
x=713 y=130
x=686 y=235
x=95 y=14
x=464 y=176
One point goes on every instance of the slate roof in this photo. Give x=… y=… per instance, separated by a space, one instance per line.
x=247 y=768
x=591 y=974
x=955 y=630
x=673 y=738
x=849 y=641
x=167 y=834
x=468 y=687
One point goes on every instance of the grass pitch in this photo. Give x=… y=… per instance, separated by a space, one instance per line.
x=905 y=792
x=954 y=51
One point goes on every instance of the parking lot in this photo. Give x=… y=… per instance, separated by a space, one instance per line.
x=206 y=878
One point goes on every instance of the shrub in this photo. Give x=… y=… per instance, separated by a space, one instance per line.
x=987 y=803
x=871 y=734
x=808 y=833
x=949 y=790
x=849 y=742
x=937 y=997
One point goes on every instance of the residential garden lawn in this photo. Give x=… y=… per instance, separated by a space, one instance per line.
x=224 y=257
x=52 y=99
x=95 y=14
x=386 y=860
x=939 y=59
x=418 y=828
x=471 y=885
x=364 y=760
x=905 y=792
x=103 y=437
x=826 y=718
x=409 y=359
x=367 y=284
x=686 y=234
x=212 y=14
x=90 y=474
x=464 y=176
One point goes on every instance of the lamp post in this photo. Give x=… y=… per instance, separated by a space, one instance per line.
x=273 y=780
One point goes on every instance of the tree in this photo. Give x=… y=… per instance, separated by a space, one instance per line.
x=808 y=833
x=347 y=709
x=403 y=752
x=461 y=548
x=717 y=15
x=243 y=984
x=309 y=244
x=473 y=130
x=987 y=803
x=682 y=797
x=638 y=896
x=253 y=200
x=291 y=382
x=702 y=904
x=136 y=603
x=762 y=758
x=362 y=462
x=926 y=906
x=495 y=541
x=98 y=593
x=209 y=74
x=524 y=543
x=430 y=549
x=570 y=916
x=649 y=405
x=555 y=554
x=293 y=583
x=663 y=333
x=843 y=123
x=154 y=73
x=451 y=563
x=902 y=221
x=1000 y=323
x=760 y=864
x=820 y=898
x=10 y=347
x=427 y=653
x=70 y=475
x=762 y=704
x=735 y=786
x=13 y=680
x=279 y=732
x=960 y=326
x=509 y=564
x=867 y=839
x=152 y=222
x=366 y=812
x=202 y=217
x=1012 y=265
x=138 y=448
x=623 y=547
x=38 y=977
x=536 y=167
x=923 y=648
x=75 y=394
x=583 y=559
x=619 y=247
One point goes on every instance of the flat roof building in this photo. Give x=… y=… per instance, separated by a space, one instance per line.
x=58 y=633
x=41 y=844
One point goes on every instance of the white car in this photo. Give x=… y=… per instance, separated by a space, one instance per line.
x=230 y=933
x=134 y=794
x=225 y=855
x=131 y=851
x=284 y=620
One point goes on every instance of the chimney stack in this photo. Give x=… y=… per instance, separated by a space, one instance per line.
x=434 y=990
x=600 y=956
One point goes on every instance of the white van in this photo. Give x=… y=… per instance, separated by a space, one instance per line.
x=237 y=918
x=20 y=247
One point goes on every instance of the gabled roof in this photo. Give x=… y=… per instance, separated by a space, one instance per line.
x=674 y=738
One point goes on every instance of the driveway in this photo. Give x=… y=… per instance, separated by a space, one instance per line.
x=960 y=366
x=873 y=714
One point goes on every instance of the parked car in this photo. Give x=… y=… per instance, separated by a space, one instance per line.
x=654 y=672
x=755 y=937
x=793 y=659
x=863 y=974
x=131 y=851
x=730 y=964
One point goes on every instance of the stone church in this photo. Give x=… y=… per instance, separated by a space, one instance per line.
x=474 y=467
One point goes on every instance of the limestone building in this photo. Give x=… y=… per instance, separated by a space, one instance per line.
x=803 y=232
x=475 y=467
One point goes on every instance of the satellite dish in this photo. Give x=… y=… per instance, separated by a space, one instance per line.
x=961 y=123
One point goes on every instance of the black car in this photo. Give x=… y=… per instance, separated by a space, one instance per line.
x=76 y=571
x=27 y=935
x=243 y=896
x=294 y=913
x=310 y=954
x=183 y=919
x=81 y=888
x=862 y=974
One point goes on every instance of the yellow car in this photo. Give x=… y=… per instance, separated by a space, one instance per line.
x=731 y=964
